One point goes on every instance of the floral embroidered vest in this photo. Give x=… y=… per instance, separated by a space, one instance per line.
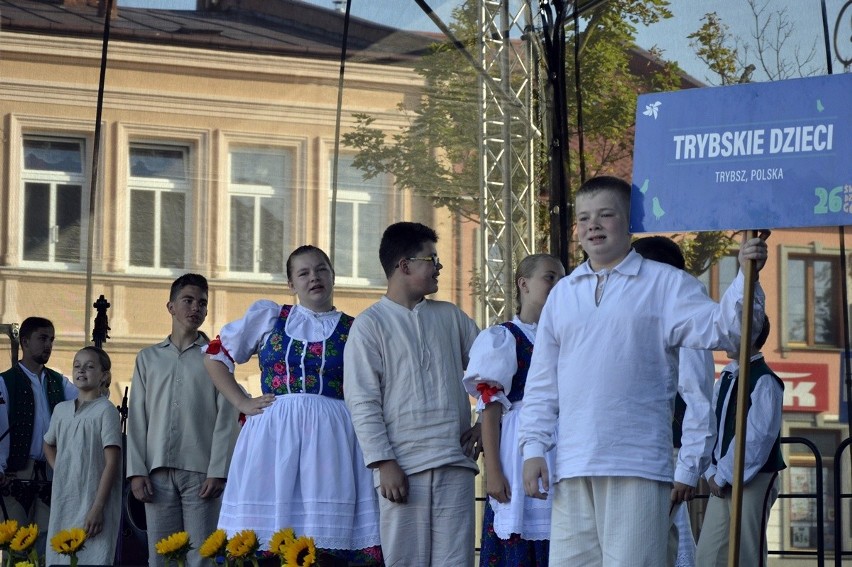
x=291 y=366
x=523 y=350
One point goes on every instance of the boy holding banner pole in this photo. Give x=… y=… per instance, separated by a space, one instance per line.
x=758 y=469
x=606 y=366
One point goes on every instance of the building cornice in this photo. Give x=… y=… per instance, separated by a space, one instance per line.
x=309 y=114
x=205 y=62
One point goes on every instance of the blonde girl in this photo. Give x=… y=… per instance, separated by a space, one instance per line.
x=516 y=528
x=83 y=445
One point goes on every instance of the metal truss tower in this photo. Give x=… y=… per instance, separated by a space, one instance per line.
x=506 y=149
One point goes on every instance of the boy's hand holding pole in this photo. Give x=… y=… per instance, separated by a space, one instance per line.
x=752 y=257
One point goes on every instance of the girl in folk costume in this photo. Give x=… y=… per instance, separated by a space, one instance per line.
x=297 y=462
x=83 y=446
x=516 y=528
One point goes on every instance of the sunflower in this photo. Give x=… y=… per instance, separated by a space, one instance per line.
x=175 y=547
x=281 y=540
x=24 y=539
x=301 y=552
x=68 y=542
x=214 y=545
x=242 y=545
x=8 y=529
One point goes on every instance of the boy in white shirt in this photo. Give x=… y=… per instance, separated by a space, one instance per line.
x=762 y=460
x=605 y=369
x=403 y=368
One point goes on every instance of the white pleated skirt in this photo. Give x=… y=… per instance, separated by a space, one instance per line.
x=298 y=465
x=529 y=517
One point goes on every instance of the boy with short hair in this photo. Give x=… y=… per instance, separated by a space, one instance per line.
x=403 y=368
x=762 y=461
x=604 y=368
x=30 y=391
x=180 y=430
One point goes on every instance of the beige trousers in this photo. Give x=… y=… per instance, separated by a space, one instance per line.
x=758 y=497
x=435 y=527
x=610 y=521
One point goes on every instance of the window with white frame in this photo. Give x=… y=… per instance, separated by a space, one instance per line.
x=362 y=216
x=53 y=177
x=260 y=197
x=812 y=301
x=159 y=185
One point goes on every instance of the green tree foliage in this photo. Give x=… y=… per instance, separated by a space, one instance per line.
x=713 y=44
x=435 y=154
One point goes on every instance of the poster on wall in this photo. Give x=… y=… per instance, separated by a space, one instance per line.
x=804 y=523
x=750 y=156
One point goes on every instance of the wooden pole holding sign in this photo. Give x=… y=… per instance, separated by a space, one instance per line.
x=750 y=274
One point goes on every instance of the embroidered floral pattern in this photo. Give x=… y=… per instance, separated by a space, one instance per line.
x=283 y=360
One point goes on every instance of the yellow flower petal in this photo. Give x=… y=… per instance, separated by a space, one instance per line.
x=281 y=540
x=24 y=538
x=8 y=529
x=242 y=544
x=68 y=542
x=301 y=552
x=214 y=545
x=173 y=545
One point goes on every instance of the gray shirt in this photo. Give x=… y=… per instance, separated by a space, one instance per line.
x=177 y=419
x=402 y=383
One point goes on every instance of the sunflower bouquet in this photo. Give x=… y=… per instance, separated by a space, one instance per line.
x=69 y=542
x=243 y=547
x=174 y=548
x=23 y=544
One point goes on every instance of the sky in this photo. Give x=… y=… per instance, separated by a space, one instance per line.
x=670 y=35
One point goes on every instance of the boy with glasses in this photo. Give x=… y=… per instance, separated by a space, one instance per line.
x=403 y=368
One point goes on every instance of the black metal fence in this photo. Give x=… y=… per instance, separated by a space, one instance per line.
x=819 y=554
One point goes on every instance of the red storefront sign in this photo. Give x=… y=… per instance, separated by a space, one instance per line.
x=805 y=385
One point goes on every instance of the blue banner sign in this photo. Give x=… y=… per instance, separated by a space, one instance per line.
x=750 y=156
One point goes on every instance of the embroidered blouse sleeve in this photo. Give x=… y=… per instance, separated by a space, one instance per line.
x=242 y=338
x=493 y=364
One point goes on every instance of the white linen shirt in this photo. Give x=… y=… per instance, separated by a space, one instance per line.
x=402 y=383
x=762 y=427
x=695 y=386
x=608 y=373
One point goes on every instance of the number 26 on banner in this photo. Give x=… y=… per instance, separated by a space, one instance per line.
x=833 y=200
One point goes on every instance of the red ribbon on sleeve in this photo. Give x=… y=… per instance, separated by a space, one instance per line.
x=215 y=347
x=487 y=392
